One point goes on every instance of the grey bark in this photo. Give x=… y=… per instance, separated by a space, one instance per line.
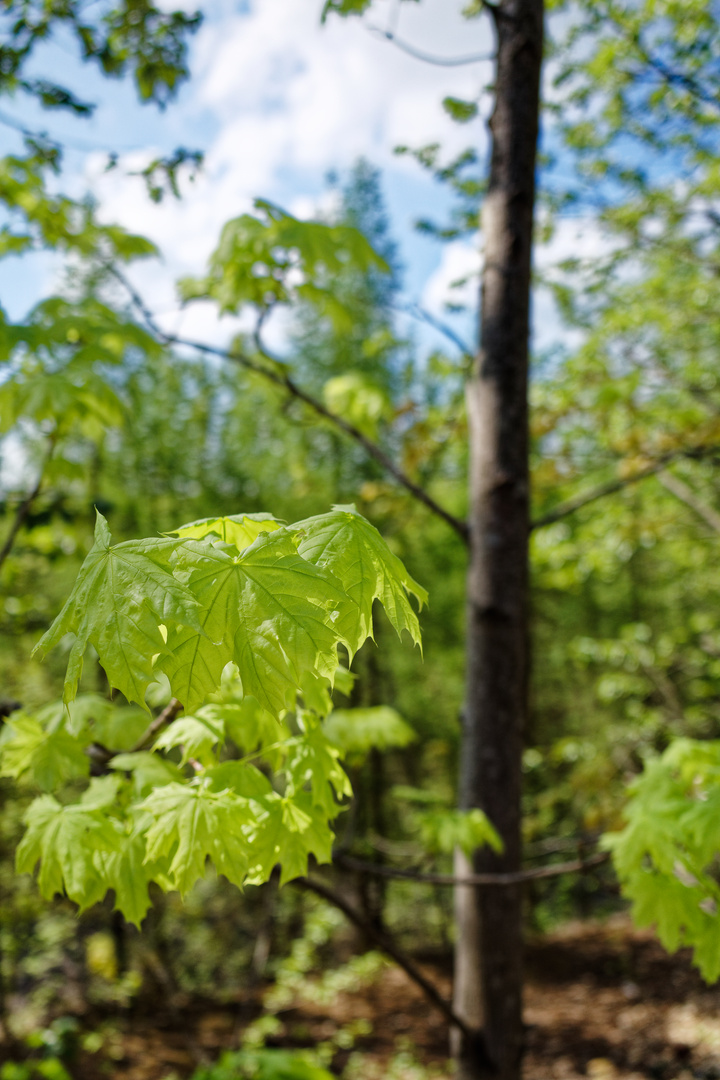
x=489 y=953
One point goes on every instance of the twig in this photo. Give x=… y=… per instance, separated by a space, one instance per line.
x=429 y=58
x=165 y=717
x=681 y=491
x=24 y=508
x=393 y=951
x=285 y=382
x=515 y=878
x=613 y=486
x=422 y=315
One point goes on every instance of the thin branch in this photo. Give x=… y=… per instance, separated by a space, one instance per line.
x=429 y=58
x=285 y=382
x=393 y=951
x=101 y=756
x=515 y=878
x=162 y=719
x=24 y=508
x=681 y=491
x=612 y=486
x=422 y=315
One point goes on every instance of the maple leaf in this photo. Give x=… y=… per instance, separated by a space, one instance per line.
x=48 y=758
x=148 y=770
x=355 y=552
x=287 y=831
x=314 y=761
x=240 y=530
x=122 y=595
x=196 y=735
x=266 y=609
x=192 y=823
x=64 y=840
x=246 y=723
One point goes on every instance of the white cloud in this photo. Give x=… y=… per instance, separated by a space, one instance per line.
x=286 y=100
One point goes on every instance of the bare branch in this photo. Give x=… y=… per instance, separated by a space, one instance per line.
x=429 y=58
x=389 y=947
x=285 y=382
x=24 y=508
x=422 y=315
x=681 y=491
x=613 y=486
x=481 y=880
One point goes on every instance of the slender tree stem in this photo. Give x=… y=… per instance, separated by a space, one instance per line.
x=488 y=955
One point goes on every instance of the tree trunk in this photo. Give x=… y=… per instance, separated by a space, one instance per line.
x=489 y=953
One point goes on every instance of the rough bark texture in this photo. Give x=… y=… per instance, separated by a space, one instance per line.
x=489 y=955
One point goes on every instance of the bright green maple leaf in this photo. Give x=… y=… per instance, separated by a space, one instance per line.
x=247 y=723
x=314 y=761
x=122 y=595
x=356 y=554
x=241 y=530
x=64 y=839
x=288 y=831
x=191 y=824
x=128 y=871
x=266 y=609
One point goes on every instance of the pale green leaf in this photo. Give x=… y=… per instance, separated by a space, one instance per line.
x=148 y=770
x=196 y=735
x=314 y=762
x=240 y=530
x=191 y=824
x=120 y=727
x=247 y=723
x=287 y=832
x=242 y=777
x=64 y=839
x=358 y=731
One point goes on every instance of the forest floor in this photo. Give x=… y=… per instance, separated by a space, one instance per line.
x=603 y=1000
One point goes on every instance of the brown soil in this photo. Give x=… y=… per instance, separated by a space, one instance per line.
x=603 y=1001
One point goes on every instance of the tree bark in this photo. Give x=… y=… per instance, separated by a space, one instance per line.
x=489 y=952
